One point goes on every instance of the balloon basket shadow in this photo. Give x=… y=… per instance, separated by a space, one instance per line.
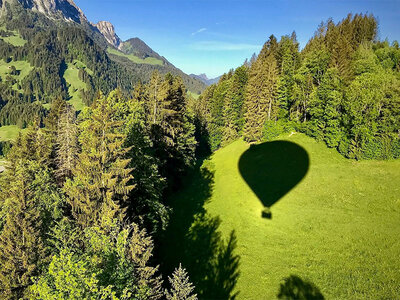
x=266 y=213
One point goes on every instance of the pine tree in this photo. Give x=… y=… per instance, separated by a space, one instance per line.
x=67 y=143
x=154 y=103
x=21 y=243
x=215 y=118
x=234 y=105
x=181 y=287
x=261 y=102
x=331 y=95
x=288 y=62
x=109 y=265
x=101 y=177
x=171 y=128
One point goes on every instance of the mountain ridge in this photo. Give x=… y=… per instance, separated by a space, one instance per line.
x=104 y=34
x=204 y=78
x=53 y=9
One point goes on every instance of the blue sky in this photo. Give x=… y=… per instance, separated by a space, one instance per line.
x=202 y=36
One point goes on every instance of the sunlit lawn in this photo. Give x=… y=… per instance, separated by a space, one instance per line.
x=339 y=228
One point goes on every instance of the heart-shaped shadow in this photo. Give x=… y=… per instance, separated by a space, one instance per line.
x=272 y=169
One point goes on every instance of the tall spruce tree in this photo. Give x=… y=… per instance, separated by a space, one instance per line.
x=29 y=202
x=171 y=124
x=288 y=62
x=234 y=105
x=261 y=102
x=21 y=243
x=101 y=175
x=66 y=143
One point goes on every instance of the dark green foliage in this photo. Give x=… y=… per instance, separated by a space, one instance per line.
x=30 y=203
x=171 y=125
x=234 y=105
x=106 y=164
x=5 y=148
x=100 y=177
x=261 y=104
x=20 y=239
x=343 y=89
x=221 y=108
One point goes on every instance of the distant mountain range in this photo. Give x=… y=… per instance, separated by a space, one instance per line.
x=203 y=77
x=134 y=53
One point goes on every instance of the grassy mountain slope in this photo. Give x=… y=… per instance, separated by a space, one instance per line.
x=135 y=59
x=75 y=85
x=23 y=68
x=9 y=133
x=338 y=228
x=12 y=37
x=145 y=70
x=140 y=49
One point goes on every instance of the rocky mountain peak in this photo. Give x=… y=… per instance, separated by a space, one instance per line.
x=65 y=9
x=108 y=31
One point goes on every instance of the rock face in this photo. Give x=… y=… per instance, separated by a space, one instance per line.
x=108 y=31
x=65 y=9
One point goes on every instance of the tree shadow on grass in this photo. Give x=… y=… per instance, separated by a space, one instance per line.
x=272 y=169
x=193 y=239
x=295 y=288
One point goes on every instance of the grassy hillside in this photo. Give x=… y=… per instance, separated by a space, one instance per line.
x=23 y=69
x=194 y=95
x=334 y=223
x=135 y=59
x=71 y=76
x=8 y=133
x=14 y=38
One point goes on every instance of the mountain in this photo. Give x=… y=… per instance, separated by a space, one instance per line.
x=108 y=32
x=49 y=50
x=55 y=9
x=203 y=77
x=140 y=49
x=134 y=54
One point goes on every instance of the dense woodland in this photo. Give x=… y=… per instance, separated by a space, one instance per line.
x=343 y=88
x=83 y=197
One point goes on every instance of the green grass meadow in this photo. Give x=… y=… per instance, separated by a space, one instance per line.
x=22 y=66
x=15 y=39
x=71 y=76
x=135 y=59
x=334 y=224
x=194 y=95
x=9 y=133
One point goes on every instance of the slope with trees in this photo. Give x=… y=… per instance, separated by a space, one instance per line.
x=343 y=88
